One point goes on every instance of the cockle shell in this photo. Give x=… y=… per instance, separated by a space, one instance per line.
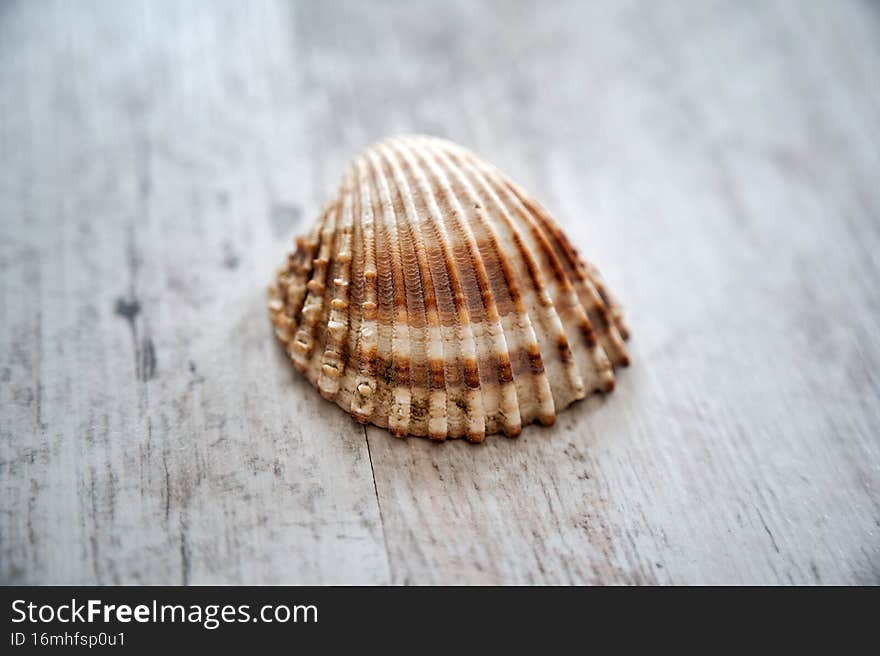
x=435 y=297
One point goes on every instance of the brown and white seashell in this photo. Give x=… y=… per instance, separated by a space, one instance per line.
x=435 y=297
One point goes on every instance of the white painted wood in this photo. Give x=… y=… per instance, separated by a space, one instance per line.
x=717 y=160
x=152 y=431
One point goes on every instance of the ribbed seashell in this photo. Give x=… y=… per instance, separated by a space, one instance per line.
x=435 y=297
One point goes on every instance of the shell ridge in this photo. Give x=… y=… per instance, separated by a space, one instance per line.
x=399 y=410
x=529 y=371
x=288 y=293
x=332 y=360
x=365 y=388
x=609 y=299
x=596 y=306
x=600 y=307
x=581 y=345
x=482 y=424
x=321 y=333
x=347 y=390
x=418 y=288
x=432 y=371
x=455 y=338
x=385 y=305
x=599 y=375
x=510 y=403
x=545 y=407
x=543 y=391
x=454 y=332
x=585 y=312
x=303 y=343
x=473 y=412
x=562 y=372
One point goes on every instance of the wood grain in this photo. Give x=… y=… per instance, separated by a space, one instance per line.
x=718 y=161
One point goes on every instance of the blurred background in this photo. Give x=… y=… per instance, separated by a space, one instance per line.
x=717 y=160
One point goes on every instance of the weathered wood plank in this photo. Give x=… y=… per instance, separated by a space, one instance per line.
x=152 y=431
x=716 y=160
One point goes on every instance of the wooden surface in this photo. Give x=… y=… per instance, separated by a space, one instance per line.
x=718 y=160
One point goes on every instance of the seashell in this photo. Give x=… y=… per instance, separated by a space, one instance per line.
x=435 y=297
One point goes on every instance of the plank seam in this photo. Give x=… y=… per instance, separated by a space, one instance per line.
x=378 y=504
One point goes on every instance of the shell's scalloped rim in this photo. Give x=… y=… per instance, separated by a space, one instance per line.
x=436 y=298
